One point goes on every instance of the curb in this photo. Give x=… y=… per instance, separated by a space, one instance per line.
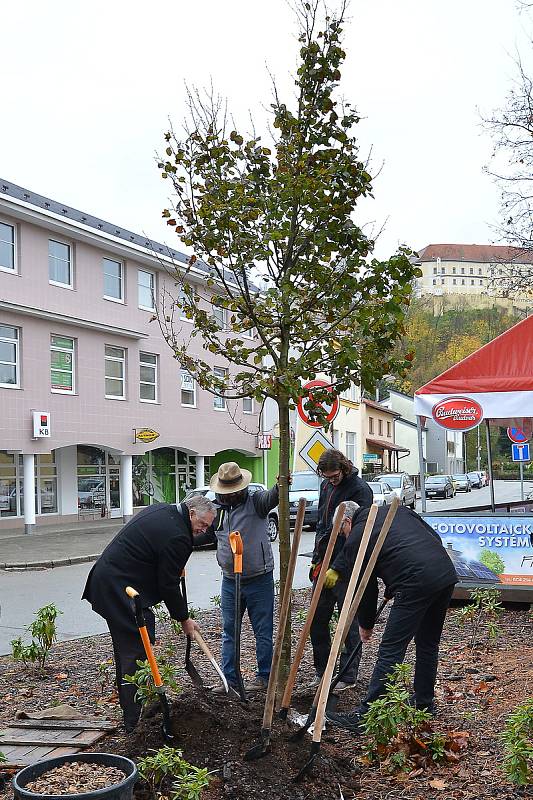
x=60 y=562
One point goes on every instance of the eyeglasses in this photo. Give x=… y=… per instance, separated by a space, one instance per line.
x=333 y=476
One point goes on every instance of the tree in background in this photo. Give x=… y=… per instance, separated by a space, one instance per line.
x=493 y=561
x=281 y=216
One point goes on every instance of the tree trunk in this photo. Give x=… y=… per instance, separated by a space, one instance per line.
x=284 y=529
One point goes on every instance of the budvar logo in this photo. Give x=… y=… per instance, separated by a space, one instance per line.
x=457 y=413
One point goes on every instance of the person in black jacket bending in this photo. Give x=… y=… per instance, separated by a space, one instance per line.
x=419 y=575
x=341 y=483
x=148 y=553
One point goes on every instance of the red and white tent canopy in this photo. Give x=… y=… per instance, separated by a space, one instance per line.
x=495 y=382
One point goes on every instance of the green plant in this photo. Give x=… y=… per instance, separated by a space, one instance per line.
x=216 y=600
x=167 y=769
x=518 y=744
x=392 y=714
x=43 y=632
x=143 y=680
x=3 y=759
x=300 y=616
x=481 y=614
x=437 y=747
x=193 y=612
x=106 y=674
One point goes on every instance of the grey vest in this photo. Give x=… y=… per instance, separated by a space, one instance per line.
x=257 y=556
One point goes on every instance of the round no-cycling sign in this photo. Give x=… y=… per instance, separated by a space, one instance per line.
x=307 y=403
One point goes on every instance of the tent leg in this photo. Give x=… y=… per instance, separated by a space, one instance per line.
x=421 y=463
x=489 y=466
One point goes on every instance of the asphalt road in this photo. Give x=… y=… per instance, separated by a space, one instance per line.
x=22 y=593
x=504 y=491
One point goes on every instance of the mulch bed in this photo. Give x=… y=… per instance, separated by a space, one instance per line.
x=475 y=694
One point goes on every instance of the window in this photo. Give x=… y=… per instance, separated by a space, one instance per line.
x=370 y=425
x=115 y=364
x=62 y=364
x=248 y=405
x=471 y=270
x=480 y=271
x=380 y=427
x=462 y=281
x=59 y=264
x=442 y=280
x=454 y=281
x=219 y=315
x=434 y=281
x=434 y=270
x=351 y=393
x=351 y=448
x=148 y=377
x=7 y=247
x=442 y=270
x=481 y=282
x=188 y=389
x=389 y=430
x=219 y=401
x=9 y=356
x=181 y=299
x=462 y=270
x=249 y=334
x=113 y=280
x=471 y=281
x=454 y=270
x=146 y=287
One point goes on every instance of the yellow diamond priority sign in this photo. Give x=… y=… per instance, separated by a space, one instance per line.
x=313 y=449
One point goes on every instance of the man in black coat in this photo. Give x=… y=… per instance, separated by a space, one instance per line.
x=149 y=554
x=419 y=575
x=341 y=483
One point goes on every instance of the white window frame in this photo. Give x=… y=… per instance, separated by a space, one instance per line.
x=153 y=276
x=184 y=374
x=120 y=360
x=70 y=265
x=249 y=334
x=183 y=318
x=351 y=446
x=155 y=382
x=11 y=270
x=58 y=349
x=220 y=397
x=14 y=341
x=121 y=278
x=251 y=410
x=223 y=322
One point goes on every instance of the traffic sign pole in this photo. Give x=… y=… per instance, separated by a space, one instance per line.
x=522 y=481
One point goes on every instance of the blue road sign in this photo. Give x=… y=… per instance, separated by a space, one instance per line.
x=517 y=435
x=520 y=452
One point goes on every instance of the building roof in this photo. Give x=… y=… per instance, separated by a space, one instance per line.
x=387 y=445
x=482 y=253
x=379 y=407
x=67 y=212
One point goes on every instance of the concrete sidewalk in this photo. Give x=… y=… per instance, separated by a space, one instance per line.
x=56 y=545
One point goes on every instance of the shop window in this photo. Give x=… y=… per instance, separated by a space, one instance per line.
x=62 y=365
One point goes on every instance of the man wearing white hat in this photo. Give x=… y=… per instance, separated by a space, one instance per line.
x=247 y=513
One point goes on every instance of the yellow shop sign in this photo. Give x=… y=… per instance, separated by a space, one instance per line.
x=145 y=435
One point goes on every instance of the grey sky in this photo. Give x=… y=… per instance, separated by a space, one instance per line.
x=87 y=89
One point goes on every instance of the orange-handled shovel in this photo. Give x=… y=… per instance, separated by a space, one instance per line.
x=159 y=687
x=235 y=542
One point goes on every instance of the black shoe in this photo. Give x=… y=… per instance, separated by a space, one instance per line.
x=429 y=708
x=349 y=722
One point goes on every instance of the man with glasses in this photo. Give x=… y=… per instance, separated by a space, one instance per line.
x=148 y=553
x=341 y=483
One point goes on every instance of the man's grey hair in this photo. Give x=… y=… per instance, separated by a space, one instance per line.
x=350 y=507
x=200 y=504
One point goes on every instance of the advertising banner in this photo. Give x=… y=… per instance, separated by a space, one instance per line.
x=487 y=549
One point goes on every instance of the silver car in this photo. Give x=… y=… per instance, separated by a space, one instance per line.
x=402 y=486
x=382 y=492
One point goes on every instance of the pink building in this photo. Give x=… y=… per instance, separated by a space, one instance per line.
x=96 y=413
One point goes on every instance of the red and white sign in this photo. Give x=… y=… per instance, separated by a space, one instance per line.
x=41 y=424
x=517 y=435
x=457 y=413
x=264 y=441
x=307 y=403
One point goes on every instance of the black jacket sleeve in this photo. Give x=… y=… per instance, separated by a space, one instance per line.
x=171 y=564
x=202 y=539
x=344 y=563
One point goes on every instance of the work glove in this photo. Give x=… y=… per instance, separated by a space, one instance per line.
x=314 y=569
x=331 y=578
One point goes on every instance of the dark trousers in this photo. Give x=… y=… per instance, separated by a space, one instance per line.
x=418 y=616
x=128 y=649
x=321 y=638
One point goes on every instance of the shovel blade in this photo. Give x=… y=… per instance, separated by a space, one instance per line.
x=193 y=674
x=261 y=749
x=315 y=749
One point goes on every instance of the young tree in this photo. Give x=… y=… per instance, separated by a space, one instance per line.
x=283 y=213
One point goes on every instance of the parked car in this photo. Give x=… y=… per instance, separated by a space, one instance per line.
x=439 y=486
x=476 y=479
x=383 y=493
x=273 y=515
x=402 y=486
x=305 y=484
x=462 y=482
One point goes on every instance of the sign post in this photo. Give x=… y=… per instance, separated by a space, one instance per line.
x=520 y=453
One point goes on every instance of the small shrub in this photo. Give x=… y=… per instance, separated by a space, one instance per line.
x=43 y=632
x=167 y=771
x=216 y=600
x=518 y=744
x=193 y=613
x=143 y=680
x=3 y=759
x=106 y=674
x=481 y=614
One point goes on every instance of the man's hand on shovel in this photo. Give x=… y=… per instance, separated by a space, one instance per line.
x=189 y=626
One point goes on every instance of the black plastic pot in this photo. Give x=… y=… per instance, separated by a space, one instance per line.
x=118 y=791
